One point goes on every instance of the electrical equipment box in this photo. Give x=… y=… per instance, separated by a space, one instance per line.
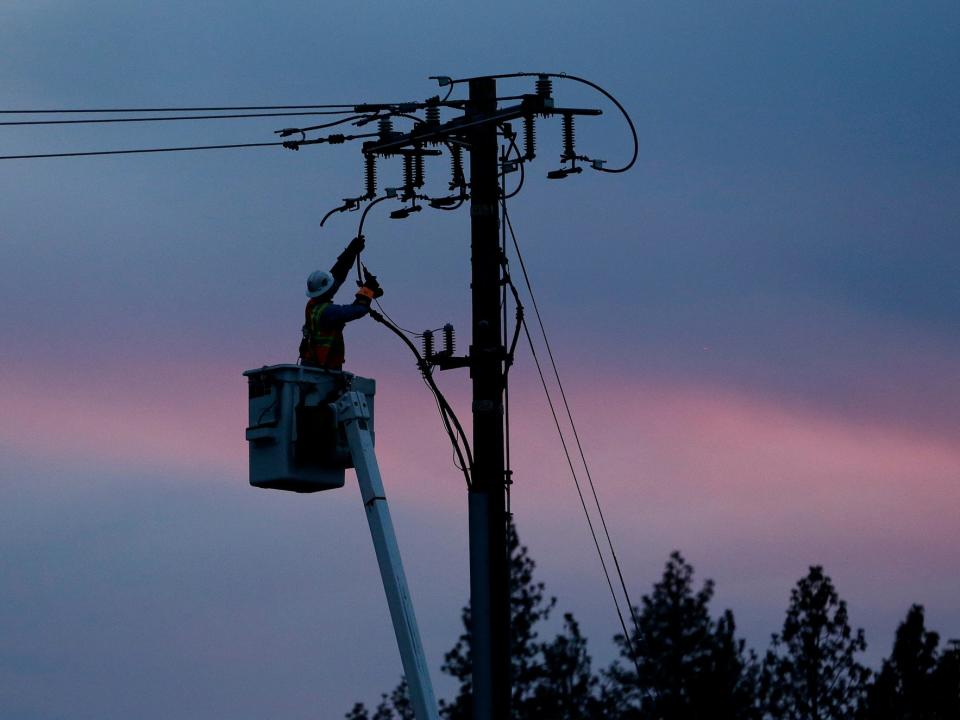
x=295 y=439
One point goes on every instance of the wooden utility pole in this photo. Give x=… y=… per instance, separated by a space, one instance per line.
x=489 y=566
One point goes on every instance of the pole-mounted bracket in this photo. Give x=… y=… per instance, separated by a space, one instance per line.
x=449 y=362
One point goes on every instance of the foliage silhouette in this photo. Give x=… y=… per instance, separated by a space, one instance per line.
x=693 y=666
x=553 y=678
x=690 y=665
x=529 y=606
x=946 y=682
x=811 y=671
x=915 y=681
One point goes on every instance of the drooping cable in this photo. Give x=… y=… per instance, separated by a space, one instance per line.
x=340 y=121
x=584 y=81
x=613 y=553
x=411 y=333
x=363 y=219
x=449 y=417
x=366 y=210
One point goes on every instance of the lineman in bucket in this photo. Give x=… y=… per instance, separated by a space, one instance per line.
x=322 y=345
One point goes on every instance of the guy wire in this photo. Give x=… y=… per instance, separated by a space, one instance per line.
x=623 y=585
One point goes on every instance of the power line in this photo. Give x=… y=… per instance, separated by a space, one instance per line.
x=583 y=458
x=583 y=503
x=144 y=150
x=95 y=121
x=177 y=109
x=447 y=415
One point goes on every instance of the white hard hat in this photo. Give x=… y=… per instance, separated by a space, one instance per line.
x=319 y=282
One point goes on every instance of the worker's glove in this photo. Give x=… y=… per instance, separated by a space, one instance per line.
x=372 y=285
x=369 y=288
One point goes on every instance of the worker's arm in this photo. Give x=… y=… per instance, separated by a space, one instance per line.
x=339 y=314
x=341 y=268
x=368 y=291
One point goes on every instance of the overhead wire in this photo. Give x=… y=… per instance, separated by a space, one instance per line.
x=345 y=109
x=584 y=81
x=448 y=416
x=613 y=554
x=383 y=312
x=139 y=151
x=226 y=108
x=351 y=118
x=95 y=121
x=463 y=456
x=583 y=503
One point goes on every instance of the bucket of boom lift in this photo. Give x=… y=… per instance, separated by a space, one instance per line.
x=295 y=439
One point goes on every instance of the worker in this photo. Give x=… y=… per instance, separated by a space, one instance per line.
x=322 y=345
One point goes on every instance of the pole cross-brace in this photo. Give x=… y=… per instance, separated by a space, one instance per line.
x=353 y=415
x=531 y=104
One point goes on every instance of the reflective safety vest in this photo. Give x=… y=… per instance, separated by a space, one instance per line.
x=322 y=344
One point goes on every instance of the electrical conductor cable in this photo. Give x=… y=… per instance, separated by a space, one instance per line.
x=623 y=586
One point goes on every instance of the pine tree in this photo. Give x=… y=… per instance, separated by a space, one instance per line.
x=565 y=688
x=946 y=683
x=529 y=606
x=903 y=690
x=811 y=672
x=688 y=666
x=550 y=679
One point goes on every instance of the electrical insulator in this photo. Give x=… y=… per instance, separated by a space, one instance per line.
x=427 y=344
x=569 y=136
x=457 y=178
x=449 y=339
x=433 y=114
x=408 y=175
x=544 y=86
x=529 y=138
x=418 y=170
x=385 y=127
x=370 y=174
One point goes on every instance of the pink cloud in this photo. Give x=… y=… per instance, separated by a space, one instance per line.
x=679 y=459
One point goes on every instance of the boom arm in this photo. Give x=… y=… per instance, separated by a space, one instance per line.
x=354 y=416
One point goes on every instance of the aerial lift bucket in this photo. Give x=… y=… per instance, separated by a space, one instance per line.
x=295 y=439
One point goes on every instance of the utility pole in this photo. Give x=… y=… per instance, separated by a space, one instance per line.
x=477 y=130
x=489 y=566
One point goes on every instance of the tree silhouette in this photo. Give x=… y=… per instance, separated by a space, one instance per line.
x=550 y=680
x=904 y=686
x=690 y=666
x=529 y=606
x=395 y=706
x=565 y=688
x=946 y=683
x=811 y=672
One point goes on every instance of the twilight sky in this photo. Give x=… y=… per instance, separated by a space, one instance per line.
x=757 y=327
